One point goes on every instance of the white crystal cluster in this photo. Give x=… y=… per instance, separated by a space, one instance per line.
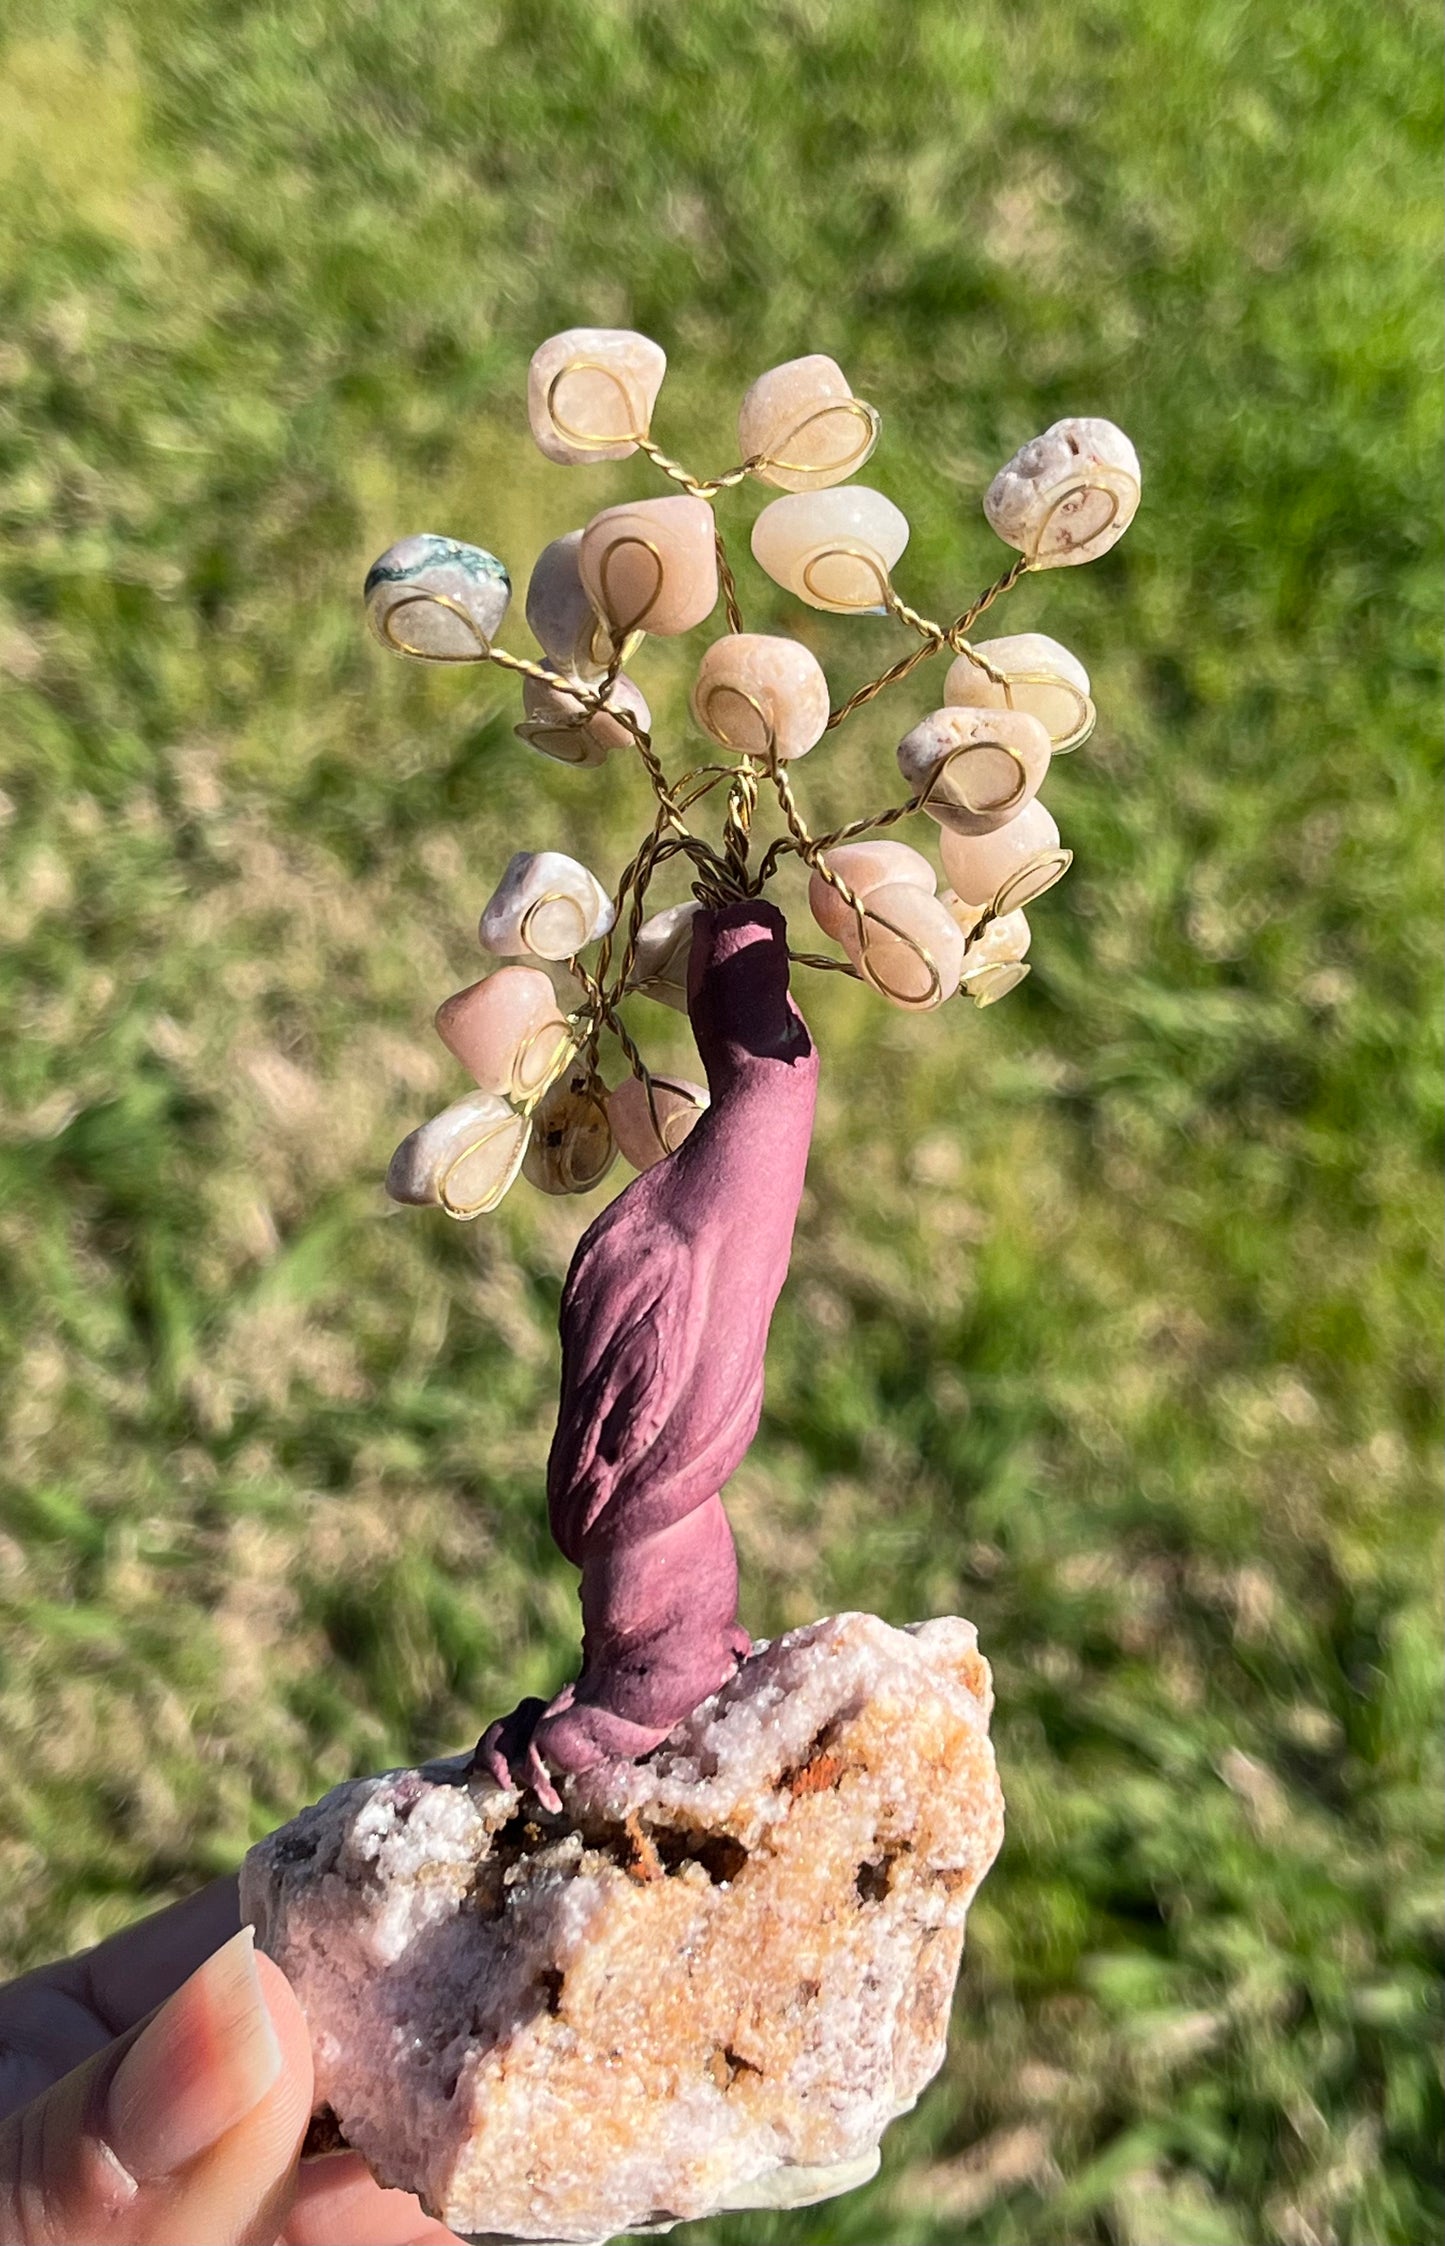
x=529 y=1033
x=710 y=1982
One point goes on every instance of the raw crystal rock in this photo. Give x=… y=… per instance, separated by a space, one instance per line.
x=545 y=903
x=677 y=1104
x=664 y=947
x=976 y=769
x=911 y=948
x=833 y=549
x=572 y=1146
x=864 y=866
x=560 y=725
x=591 y=391
x=436 y=599
x=1010 y=868
x=710 y=1982
x=761 y=696
x=1067 y=496
x=651 y=566
x=802 y=427
x=1037 y=675
x=464 y=1160
x=561 y=618
x=508 y=1030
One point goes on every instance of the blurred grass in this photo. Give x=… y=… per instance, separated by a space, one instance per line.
x=1114 y=1320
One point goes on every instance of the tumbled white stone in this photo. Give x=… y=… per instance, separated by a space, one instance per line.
x=464 y=1160
x=864 y=866
x=1034 y=673
x=974 y=770
x=664 y=947
x=761 y=695
x=992 y=979
x=1003 y=941
x=833 y=549
x=572 y=1147
x=561 y=618
x=911 y=948
x=965 y=917
x=710 y=1982
x=546 y=904
x=436 y=599
x=1067 y=496
x=651 y=565
x=561 y=726
x=802 y=428
x=1009 y=868
x=677 y=1105
x=591 y=392
x=507 y=1029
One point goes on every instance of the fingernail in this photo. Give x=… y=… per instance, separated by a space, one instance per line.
x=205 y=2061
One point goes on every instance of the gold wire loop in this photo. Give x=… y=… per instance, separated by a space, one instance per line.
x=856 y=409
x=920 y=951
x=766 y=754
x=489 y=1201
x=425 y=654
x=1060 y=495
x=962 y=800
x=1030 y=880
x=992 y=979
x=528 y=920
x=637 y=622
x=847 y=549
x=590 y=439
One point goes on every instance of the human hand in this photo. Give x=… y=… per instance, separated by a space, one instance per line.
x=177 y=2126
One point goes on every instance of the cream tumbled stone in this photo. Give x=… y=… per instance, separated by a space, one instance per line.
x=975 y=769
x=1011 y=866
x=833 y=549
x=1038 y=675
x=678 y=1105
x=546 y=904
x=572 y=1147
x=711 y=1982
x=864 y=866
x=591 y=392
x=801 y=426
x=560 y=616
x=1067 y=496
x=911 y=949
x=664 y=947
x=507 y=1030
x=436 y=599
x=651 y=565
x=761 y=696
x=464 y=1160
x=1003 y=941
x=561 y=726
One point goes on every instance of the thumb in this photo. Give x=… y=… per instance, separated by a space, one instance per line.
x=184 y=2133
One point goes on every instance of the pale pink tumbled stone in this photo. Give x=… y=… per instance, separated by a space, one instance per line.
x=761 y=696
x=664 y=947
x=1037 y=674
x=463 y=1160
x=678 y=1105
x=506 y=1030
x=651 y=565
x=561 y=618
x=864 y=866
x=1012 y=866
x=591 y=391
x=1004 y=940
x=975 y=769
x=558 y=723
x=572 y=1146
x=1067 y=496
x=546 y=904
x=833 y=549
x=802 y=428
x=911 y=949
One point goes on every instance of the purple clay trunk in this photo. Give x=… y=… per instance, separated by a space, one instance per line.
x=664 y=1323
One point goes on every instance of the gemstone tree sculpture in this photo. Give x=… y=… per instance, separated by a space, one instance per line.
x=666 y=1309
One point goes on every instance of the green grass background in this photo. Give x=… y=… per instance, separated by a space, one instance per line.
x=1114 y=1317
